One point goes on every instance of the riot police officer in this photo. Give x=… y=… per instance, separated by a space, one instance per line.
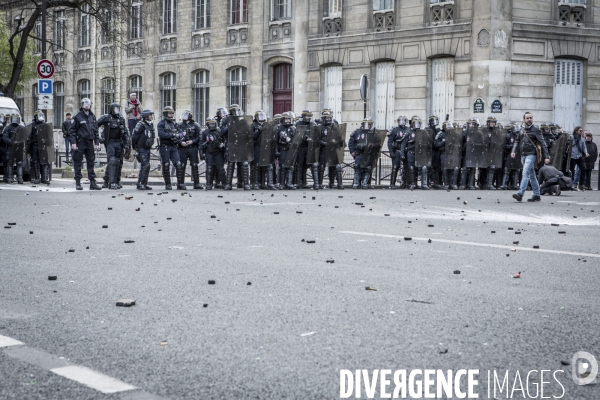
x=84 y=140
x=467 y=178
x=335 y=171
x=212 y=148
x=486 y=175
x=302 y=166
x=434 y=175
x=188 y=149
x=256 y=176
x=408 y=150
x=357 y=146
x=142 y=141
x=115 y=137
x=334 y=122
x=513 y=132
x=8 y=133
x=285 y=134
x=170 y=138
x=35 y=168
x=449 y=176
x=243 y=168
x=395 y=139
x=3 y=149
x=220 y=115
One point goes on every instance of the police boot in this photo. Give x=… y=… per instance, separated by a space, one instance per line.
x=180 y=173
x=515 y=180
x=20 y=172
x=209 y=177
x=366 y=178
x=8 y=174
x=94 y=186
x=320 y=176
x=118 y=181
x=412 y=176
x=304 y=183
x=453 y=179
x=229 y=177
x=472 y=179
x=146 y=171
x=463 y=179
x=46 y=174
x=255 y=176
x=166 y=173
x=140 y=182
x=105 y=178
x=331 y=176
x=505 y=177
x=112 y=169
x=314 y=172
x=35 y=172
x=196 y=177
x=246 y=176
x=289 y=176
x=270 y=185
x=393 y=177
x=338 y=177
x=445 y=177
x=281 y=178
x=78 y=185
x=356 y=182
x=490 y=179
x=239 y=175
x=424 y=178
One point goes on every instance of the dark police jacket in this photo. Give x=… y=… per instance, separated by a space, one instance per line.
x=397 y=136
x=166 y=131
x=191 y=131
x=115 y=128
x=211 y=141
x=84 y=127
x=358 y=140
x=143 y=135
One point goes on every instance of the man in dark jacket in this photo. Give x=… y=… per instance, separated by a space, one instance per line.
x=65 y=131
x=142 y=141
x=578 y=153
x=530 y=137
x=552 y=181
x=84 y=140
x=590 y=161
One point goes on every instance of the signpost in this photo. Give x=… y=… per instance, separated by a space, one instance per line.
x=45 y=92
x=478 y=106
x=364 y=92
x=45 y=69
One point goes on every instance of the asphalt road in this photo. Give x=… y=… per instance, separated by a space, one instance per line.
x=280 y=321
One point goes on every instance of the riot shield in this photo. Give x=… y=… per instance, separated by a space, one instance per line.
x=18 y=148
x=495 y=147
x=476 y=152
x=514 y=163
x=241 y=142
x=268 y=141
x=423 y=147
x=292 y=154
x=453 y=148
x=45 y=138
x=569 y=147
x=336 y=142
x=557 y=152
x=371 y=153
x=312 y=154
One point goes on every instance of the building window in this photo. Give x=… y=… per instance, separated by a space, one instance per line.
x=333 y=8
x=281 y=9
x=169 y=16
x=20 y=99
x=84 y=26
x=59 y=104
x=333 y=90
x=84 y=89
x=106 y=29
x=385 y=94
x=108 y=94
x=60 y=28
x=201 y=96
x=283 y=77
x=168 y=91
x=238 y=12
x=237 y=87
x=568 y=93
x=135 y=22
x=38 y=35
x=379 y=5
x=442 y=88
x=202 y=14
x=135 y=86
x=442 y=11
x=34 y=98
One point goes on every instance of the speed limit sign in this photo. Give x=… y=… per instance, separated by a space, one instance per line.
x=45 y=69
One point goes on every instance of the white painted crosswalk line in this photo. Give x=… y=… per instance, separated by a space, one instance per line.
x=93 y=379
x=6 y=341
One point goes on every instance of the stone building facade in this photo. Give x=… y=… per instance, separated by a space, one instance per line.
x=423 y=57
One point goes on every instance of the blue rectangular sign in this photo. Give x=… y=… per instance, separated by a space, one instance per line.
x=45 y=86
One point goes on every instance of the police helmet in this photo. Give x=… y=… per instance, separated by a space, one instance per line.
x=235 y=110
x=326 y=117
x=367 y=124
x=147 y=114
x=287 y=118
x=306 y=115
x=211 y=124
x=260 y=116
x=402 y=120
x=86 y=104
x=434 y=120
x=186 y=115
x=38 y=116
x=15 y=119
x=168 y=112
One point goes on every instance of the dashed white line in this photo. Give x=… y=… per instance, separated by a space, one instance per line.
x=496 y=246
x=93 y=379
x=6 y=341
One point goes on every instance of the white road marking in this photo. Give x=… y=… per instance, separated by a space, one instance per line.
x=254 y=203
x=93 y=379
x=6 y=341
x=496 y=246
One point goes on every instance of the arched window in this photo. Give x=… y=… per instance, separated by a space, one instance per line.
x=442 y=88
x=282 y=88
x=135 y=86
x=168 y=91
x=237 y=87
x=59 y=104
x=108 y=94
x=84 y=89
x=201 y=96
